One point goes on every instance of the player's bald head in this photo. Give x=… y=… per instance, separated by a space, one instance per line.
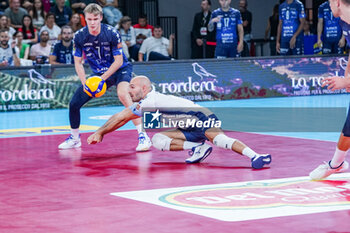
x=142 y=81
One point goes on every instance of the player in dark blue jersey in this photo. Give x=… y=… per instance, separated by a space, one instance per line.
x=289 y=33
x=102 y=46
x=340 y=8
x=329 y=32
x=62 y=51
x=228 y=23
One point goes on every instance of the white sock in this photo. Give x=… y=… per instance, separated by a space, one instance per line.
x=338 y=157
x=75 y=133
x=188 y=145
x=139 y=128
x=249 y=152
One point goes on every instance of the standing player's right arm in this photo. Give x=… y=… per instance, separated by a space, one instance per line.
x=278 y=39
x=79 y=68
x=115 y=122
x=319 y=31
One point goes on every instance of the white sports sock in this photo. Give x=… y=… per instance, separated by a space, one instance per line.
x=338 y=157
x=75 y=133
x=188 y=145
x=249 y=152
x=139 y=128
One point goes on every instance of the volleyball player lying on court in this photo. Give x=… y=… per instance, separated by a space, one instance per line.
x=193 y=139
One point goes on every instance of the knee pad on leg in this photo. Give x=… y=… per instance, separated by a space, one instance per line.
x=223 y=141
x=161 y=141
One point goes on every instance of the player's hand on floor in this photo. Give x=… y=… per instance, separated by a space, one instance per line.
x=94 y=138
x=334 y=83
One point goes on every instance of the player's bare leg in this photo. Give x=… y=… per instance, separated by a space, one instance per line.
x=337 y=163
x=124 y=97
x=218 y=138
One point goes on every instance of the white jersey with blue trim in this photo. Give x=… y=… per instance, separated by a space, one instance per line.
x=168 y=103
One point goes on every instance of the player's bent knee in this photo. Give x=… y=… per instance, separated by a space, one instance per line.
x=223 y=141
x=161 y=141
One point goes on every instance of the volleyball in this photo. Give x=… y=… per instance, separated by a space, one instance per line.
x=95 y=86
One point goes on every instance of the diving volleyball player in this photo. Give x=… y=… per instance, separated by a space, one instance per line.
x=190 y=138
x=102 y=46
x=340 y=8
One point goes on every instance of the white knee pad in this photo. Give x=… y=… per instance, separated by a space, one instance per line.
x=223 y=141
x=161 y=141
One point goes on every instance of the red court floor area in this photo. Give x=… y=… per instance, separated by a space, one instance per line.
x=43 y=189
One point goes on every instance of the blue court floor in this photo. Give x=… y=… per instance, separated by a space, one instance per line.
x=48 y=122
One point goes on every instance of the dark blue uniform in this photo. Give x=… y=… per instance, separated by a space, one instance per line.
x=226 y=32
x=62 y=53
x=290 y=14
x=99 y=51
x=332 y=32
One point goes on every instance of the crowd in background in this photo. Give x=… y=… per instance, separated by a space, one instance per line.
x=41 y=31
x=289 y=31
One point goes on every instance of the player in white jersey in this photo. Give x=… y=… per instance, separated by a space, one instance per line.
x=193 y=138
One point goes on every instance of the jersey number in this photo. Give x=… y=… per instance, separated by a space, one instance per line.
x=226 y=22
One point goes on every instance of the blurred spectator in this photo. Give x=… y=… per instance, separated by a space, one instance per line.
x=15 y=14
x=157 y=47
x=27 y=4
x=272 y=25
x=3 y=5
x=79 y=5
x=75 y=22
x=127 y=33
x=51 y=27
x=247 y=19
x=22 y=49
x=62 y=51
x=8 y=55
x=40 y=52
x=62 y=13
x=111 y=12
x=30 y=35
x=201 y=35
x=4 y=24
x=47 y=5
x=329 y=33
x=142 y=30
x=38 y=14
x=229 y=30
x=289 y=33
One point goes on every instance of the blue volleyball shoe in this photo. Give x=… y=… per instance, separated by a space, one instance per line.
x=199 y=153
x=258 y=161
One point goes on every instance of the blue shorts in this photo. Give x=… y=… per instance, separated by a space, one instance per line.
x=121 y=75
x=198 y=134
x=226 y=50
x=286 y=50
x=331 y=48
x=346 y=128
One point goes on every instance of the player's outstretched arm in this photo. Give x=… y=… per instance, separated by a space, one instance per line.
x=115 y=122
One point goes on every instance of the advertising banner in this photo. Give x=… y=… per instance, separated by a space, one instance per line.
x=52 y=87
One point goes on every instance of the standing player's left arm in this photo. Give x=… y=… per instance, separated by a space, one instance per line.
x=240 y=36
x=336 y=83
x=341 y=43
x=118 y=62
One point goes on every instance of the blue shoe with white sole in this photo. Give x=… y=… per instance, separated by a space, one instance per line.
x=258 y=161
x=199 y=153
